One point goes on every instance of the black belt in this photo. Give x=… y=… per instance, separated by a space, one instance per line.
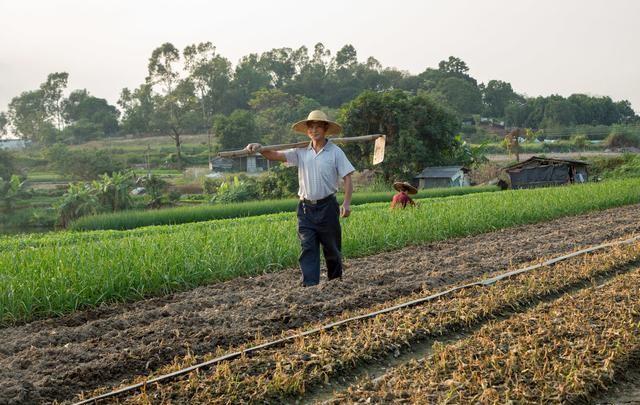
x=316 y=202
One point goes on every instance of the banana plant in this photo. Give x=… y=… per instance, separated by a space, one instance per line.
x=10 y=191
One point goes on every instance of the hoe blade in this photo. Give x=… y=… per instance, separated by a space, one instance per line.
x=378 y=150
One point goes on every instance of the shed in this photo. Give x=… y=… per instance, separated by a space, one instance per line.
x=442 y=176
x=539 y=172
x=250 y=164
x=13 y=144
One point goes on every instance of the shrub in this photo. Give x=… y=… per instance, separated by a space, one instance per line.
x=7 y=165
x=579 y=141
x=236 y=191
x=279 y=182
x=154 y=186
x=79 y=200
x=210 y=185
x=82 y=164
x=621 y=137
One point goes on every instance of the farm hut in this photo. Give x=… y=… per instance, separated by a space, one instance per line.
x=539 y=172
x=220 y=164
x=12 y=144
x=442 y=176
x=249 y=164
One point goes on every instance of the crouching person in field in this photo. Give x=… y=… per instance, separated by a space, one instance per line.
x=401 y=198
x=321 y=165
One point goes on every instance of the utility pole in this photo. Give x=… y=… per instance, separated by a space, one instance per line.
x=210 y=161
x=147 y=161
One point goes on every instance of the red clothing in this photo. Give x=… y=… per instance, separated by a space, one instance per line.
x=401 y=199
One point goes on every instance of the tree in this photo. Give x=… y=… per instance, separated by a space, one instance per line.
x=577 y=109
x=497 y=95
x=250 y=75
x=453 y=65
x=113 y=191
x=81 y=106
x=211 y=75
x=27 y=115
x=10 y=191
x=560 y=112
x=461 y=95
x=176 y=113
x=33 y=114
x=311 y=78
x=163 y=70
x=626 y=113
x=82 y=131
x=52 y=96
x=346 y=57
x=137 y=109
x=81 y=164
x=7 y=164
x=280 y=64
x=4 y=123
x=420 y=132
x=275 y=111
x=154 y=187
x=79 y=200
x=236 y=130
x=279 y=182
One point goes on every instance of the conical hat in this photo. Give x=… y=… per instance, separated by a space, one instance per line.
x=317 y=115
x=404 y=186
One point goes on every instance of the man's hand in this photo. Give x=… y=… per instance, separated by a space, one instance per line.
x=253 y=147
x=345 y=210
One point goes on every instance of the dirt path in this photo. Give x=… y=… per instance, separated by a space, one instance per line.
x=56 y=358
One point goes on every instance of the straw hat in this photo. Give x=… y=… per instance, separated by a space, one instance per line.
x=317 y=115
x=404 y=186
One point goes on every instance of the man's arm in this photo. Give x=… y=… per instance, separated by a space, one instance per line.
x=345 y=211
x=269 y=154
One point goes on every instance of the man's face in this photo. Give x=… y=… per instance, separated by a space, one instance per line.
x=316 y=130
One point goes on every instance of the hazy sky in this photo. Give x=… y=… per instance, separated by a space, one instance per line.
x=541 y=47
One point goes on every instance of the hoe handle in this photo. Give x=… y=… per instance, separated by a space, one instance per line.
x=244 y=152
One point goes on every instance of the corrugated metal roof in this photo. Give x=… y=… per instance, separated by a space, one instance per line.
x=536 y=159
x=446 y=172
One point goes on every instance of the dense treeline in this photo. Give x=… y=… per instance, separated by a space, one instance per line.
x=198 y=90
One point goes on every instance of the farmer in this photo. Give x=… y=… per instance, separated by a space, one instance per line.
x=401 y=199
x=320 y=167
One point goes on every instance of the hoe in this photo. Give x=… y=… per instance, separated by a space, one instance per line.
x=378 y=150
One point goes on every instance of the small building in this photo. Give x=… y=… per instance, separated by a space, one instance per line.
x=442 y=176
x=220 y=164
x=540 y=172
x=249 y=164
x=12 y=144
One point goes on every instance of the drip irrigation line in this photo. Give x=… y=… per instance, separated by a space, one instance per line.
x=277 y=342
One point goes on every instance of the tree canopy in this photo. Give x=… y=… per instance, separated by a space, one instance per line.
x=420 y=131
x=185 y=91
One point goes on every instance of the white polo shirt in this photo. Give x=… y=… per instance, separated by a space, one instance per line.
x=319 y=173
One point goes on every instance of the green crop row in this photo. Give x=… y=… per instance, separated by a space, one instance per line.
x=39 y=240
x=134 y=219
x=46 y=280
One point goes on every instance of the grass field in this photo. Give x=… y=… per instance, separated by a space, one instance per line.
x=68 y=272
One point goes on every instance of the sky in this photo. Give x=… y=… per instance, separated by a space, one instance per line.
x=541 y=47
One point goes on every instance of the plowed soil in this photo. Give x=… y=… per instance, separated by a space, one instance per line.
x=54 y=359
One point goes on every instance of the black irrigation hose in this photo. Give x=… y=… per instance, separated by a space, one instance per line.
x=273 y=343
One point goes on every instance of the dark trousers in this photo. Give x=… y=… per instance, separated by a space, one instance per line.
x=319 y=224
